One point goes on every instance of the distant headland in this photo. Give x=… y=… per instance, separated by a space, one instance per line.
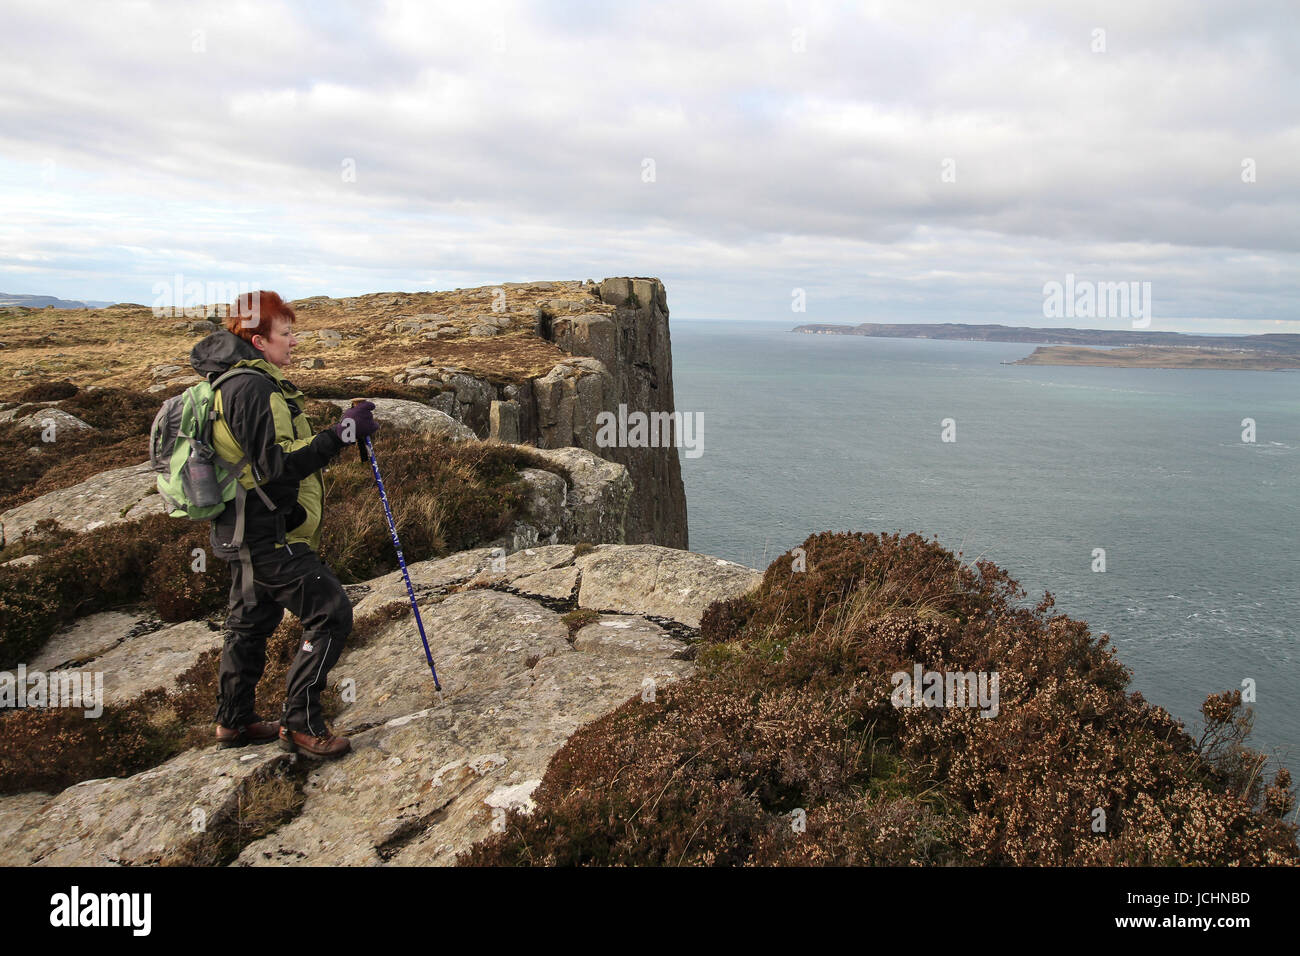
x=1112 y=347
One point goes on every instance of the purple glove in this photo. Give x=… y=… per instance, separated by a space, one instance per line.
x=357 y=424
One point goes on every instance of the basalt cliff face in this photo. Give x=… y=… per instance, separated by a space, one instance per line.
x=615 y=349
x=633 y=342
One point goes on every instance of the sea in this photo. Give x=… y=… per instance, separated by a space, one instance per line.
x=804 y=433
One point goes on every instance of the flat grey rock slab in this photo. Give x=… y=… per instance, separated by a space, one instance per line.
x=138 y=820
x=627 y=635
x=557 y=584
x=89 y=637
x=661 y=582
x=477 y=638
x=403 y=413
x=153 y=659
x=426 y=577
x=425 y=786
x=110 y=497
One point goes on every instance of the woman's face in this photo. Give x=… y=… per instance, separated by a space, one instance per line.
x=277 y=348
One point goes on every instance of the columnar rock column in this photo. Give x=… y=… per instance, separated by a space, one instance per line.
x=634 y=345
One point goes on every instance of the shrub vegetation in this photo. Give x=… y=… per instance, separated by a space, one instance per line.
x=120 y=437
x=785 y=748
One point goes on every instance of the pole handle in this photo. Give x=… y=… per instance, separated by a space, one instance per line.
x=361 y=446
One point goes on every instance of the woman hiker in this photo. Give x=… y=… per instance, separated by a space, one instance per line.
x=270 y=537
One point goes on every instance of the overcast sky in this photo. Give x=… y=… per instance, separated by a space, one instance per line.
x=910 y=161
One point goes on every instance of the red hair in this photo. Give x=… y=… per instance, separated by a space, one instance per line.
x=254 y=312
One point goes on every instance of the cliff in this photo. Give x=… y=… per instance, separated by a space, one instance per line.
x=633 y=342
x=522 y=362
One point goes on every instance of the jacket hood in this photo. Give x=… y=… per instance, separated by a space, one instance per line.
x=217 y=352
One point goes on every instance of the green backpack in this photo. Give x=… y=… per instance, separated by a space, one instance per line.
x=194 y=481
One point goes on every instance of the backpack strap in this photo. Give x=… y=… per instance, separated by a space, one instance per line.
x=233 y=471
x=241 y=370
x=245 y=556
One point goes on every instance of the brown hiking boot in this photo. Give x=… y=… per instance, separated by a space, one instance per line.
x=257 y=732
x=327 y=745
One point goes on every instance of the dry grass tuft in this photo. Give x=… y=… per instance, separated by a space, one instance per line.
x=263 y=803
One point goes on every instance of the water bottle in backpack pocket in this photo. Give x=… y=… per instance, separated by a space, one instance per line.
x=199 y=481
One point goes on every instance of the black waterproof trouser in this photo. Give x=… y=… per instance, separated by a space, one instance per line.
x=292 y=577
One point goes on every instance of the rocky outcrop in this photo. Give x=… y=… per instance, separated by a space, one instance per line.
x=45 y=419
x=663 y=582
x=430 y=773
x=91 y=637
x=592 y=506
x=153 y=659
x=568 y=399
x=111 y=497
x=617 y=335
x=463 y=397
x=133 y=821
x=633 y=345
x=135 y=653
x=504 y=422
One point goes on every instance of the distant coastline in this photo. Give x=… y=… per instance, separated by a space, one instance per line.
x=1159 y=357
x=26 y=301
x=1109 y=347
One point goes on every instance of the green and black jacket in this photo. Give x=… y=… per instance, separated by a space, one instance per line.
x=262 y=416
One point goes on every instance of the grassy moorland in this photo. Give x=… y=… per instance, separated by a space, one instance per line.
x=120 y=345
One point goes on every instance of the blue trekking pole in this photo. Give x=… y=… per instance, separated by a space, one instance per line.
x=368 y=454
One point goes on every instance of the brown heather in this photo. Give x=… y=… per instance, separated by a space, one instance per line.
x=790 y=710
x=577 y=619
x=84 y=573
x=121 y=419
x=263 y=803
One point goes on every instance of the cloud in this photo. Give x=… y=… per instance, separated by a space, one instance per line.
x=793 y=145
